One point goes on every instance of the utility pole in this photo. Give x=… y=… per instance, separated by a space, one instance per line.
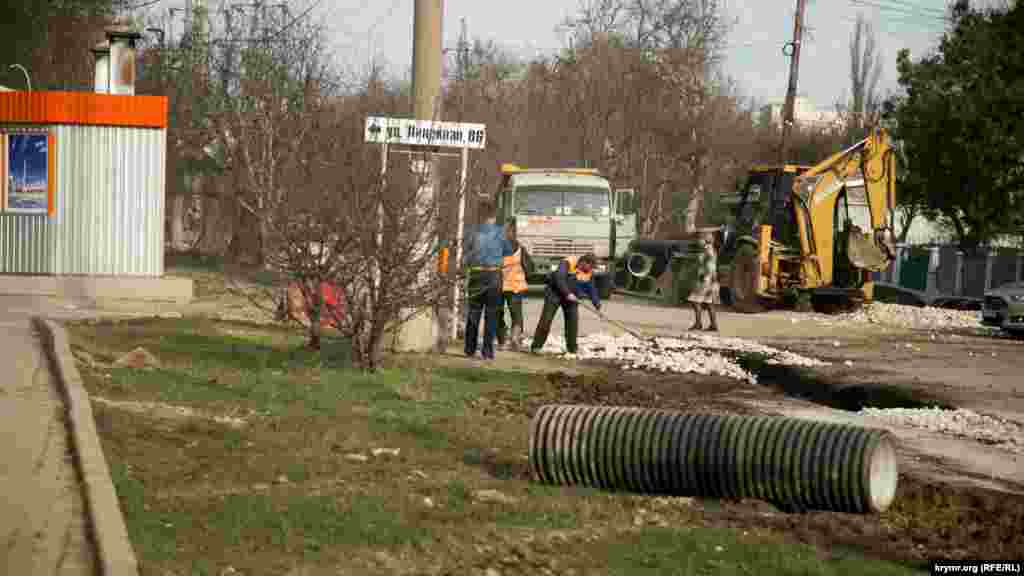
x=780 y=200
x=794 y=71
x=425 y=331
x=463 y=61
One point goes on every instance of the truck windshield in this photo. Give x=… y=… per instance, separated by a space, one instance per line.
x=562 y=201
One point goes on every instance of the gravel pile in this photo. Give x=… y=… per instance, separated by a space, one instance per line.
x=698 y=353
x=960 y=422
x=912 y=317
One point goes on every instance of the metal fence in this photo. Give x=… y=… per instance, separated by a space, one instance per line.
x=945 y=271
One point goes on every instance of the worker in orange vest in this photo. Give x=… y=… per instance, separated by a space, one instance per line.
x=514 y=288
x=562 y=291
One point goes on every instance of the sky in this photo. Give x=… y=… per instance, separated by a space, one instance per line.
x=754 y=59
x=360 y=30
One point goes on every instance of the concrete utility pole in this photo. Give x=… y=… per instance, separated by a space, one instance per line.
x=426 y=331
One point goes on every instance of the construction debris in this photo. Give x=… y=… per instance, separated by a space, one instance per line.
x=138 y=358
x=912 y=317
x=961 y=422
x=697 y=353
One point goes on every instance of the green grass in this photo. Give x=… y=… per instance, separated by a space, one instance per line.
x=191 y=506
x=234 y=525
x=192 y=262
x=696 y=551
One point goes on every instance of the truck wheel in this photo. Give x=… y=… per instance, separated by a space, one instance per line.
x=743 y=280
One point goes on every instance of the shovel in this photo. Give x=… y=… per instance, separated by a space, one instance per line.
x=621 y=326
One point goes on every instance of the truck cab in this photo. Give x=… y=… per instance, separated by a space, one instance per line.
x=567 y=212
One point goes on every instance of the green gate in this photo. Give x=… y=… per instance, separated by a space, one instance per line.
x=914 y=269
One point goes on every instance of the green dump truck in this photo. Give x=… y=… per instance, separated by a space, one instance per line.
x=562 y=212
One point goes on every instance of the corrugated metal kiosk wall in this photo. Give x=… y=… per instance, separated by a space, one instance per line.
x=106 y=205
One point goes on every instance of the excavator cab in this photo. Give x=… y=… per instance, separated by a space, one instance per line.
x=766 y=199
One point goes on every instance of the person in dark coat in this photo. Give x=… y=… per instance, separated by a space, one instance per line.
x=485 y=255
x=562 y=291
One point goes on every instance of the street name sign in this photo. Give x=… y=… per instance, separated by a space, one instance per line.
x=383 y=130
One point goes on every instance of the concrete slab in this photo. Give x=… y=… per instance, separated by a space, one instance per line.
x=43 y=521
x=173 y=289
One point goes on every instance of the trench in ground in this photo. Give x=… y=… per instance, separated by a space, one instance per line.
x=927 y=520
x=810 y=385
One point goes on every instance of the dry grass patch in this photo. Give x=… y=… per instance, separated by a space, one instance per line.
x=402 y=472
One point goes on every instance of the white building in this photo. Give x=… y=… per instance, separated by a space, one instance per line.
x=804 y=113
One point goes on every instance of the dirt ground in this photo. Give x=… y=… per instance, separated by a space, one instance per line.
x=957 y=498
x=961 y=368
x=929 y=518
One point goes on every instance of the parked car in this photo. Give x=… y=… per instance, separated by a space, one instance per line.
x=1004 y=307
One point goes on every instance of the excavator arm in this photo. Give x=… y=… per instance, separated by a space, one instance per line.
x=815 y=196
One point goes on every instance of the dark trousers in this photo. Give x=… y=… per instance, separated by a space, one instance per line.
x=570 y=314
x=484 y=298
x=514 y=302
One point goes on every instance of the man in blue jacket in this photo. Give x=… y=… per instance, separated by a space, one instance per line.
x=561 y=291
x=485 y=255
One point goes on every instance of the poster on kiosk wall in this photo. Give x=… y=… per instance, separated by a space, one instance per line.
x=26 y=172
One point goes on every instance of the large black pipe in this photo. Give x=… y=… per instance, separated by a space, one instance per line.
x=795 y=464
x=660 y=251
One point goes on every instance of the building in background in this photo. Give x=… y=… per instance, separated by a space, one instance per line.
x=804 y=114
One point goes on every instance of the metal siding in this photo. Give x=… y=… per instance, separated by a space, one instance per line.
x=110 y=190
x=24 y=244
x=1004 y=268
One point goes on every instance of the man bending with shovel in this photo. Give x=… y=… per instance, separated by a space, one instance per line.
x=561 y=291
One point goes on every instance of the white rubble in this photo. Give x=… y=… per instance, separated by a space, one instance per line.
x=912 y=317
x=705 y=354
x=960 y=422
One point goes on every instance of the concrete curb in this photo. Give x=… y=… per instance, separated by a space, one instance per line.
x=114 y=549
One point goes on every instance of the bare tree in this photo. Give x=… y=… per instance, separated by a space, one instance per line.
x=865 y=73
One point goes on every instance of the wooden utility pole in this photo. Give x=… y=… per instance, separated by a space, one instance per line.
x=779 y=199
x=794 y=70
x=463 y=62
x=425 y=332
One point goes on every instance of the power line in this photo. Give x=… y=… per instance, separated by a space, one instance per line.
x=898 y=10
x=920 y=25
x=913 y=6
x=295 y=20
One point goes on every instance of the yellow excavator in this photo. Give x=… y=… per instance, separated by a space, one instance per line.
x=829 y=226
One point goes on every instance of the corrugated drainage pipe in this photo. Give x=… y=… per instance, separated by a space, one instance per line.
x=795 y=464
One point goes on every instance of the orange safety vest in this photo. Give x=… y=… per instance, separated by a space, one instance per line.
x=513 y=276
x=580 y=276
x=442 y=261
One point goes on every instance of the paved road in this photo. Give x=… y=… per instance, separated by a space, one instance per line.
x=42 y=511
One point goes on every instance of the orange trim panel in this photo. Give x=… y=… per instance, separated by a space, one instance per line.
x=3 y=172
x=83 y=108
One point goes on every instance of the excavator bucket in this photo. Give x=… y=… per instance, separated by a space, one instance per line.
x=865 y=253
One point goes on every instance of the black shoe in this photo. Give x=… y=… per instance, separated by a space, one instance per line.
x=712 y=328
x=696 y=327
